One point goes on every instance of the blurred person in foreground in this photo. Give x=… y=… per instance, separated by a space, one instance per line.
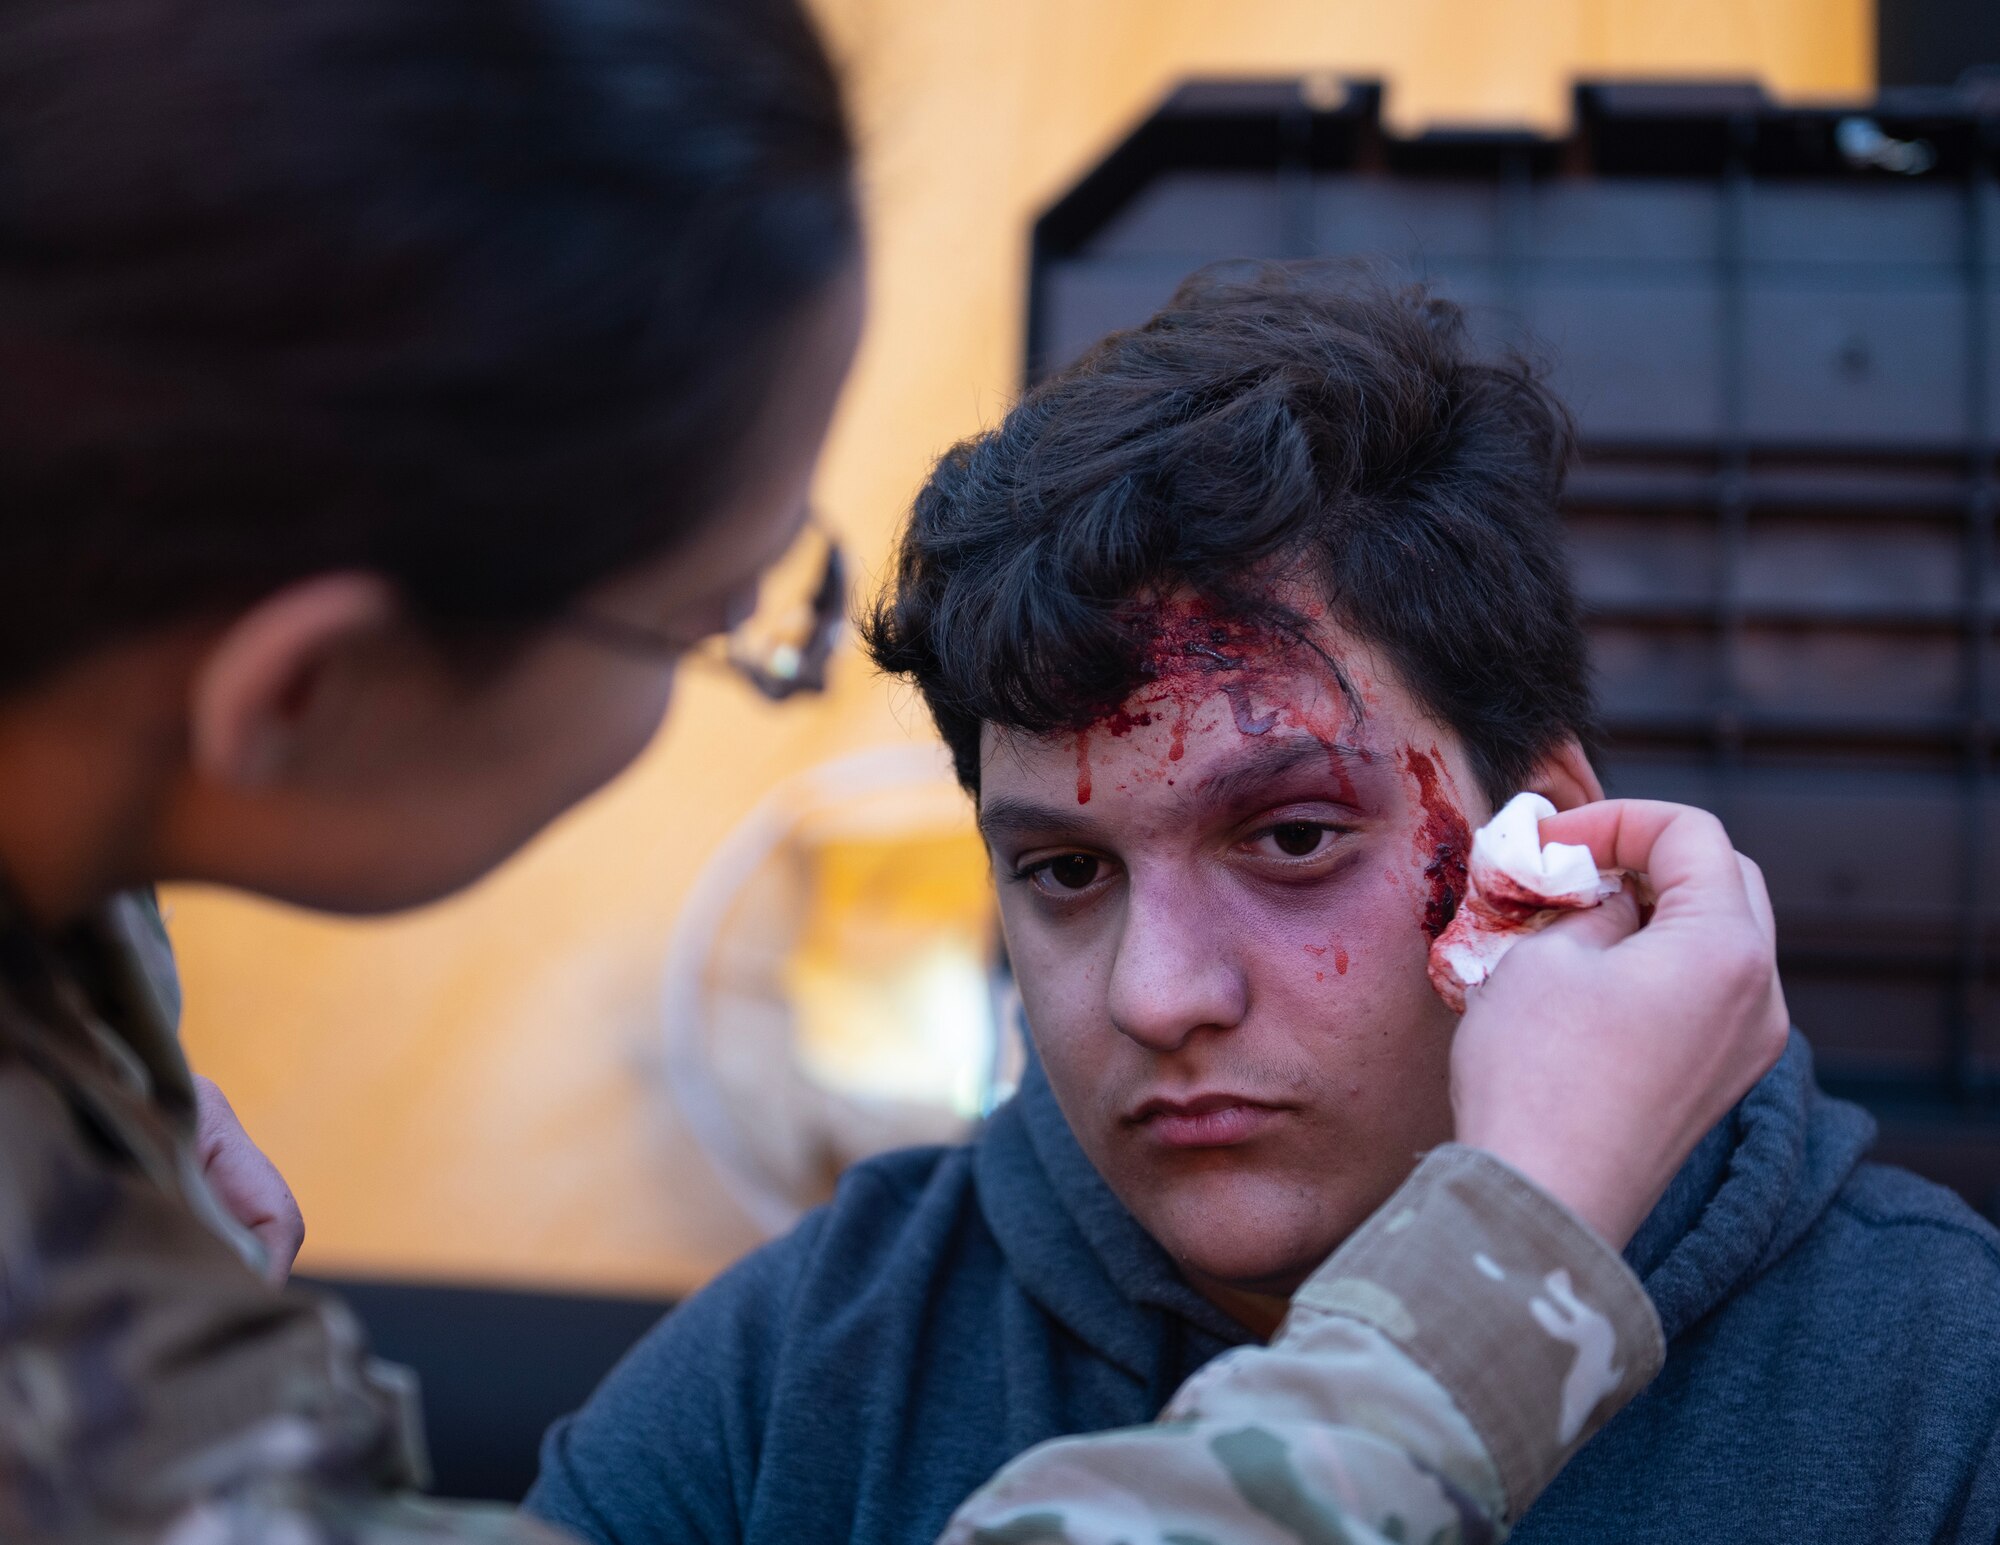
x=1235 y=628
x=394 y=392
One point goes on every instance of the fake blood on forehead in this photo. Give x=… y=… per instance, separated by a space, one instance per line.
x=1444 y=843
x=1191 y=653
x=1118 y=724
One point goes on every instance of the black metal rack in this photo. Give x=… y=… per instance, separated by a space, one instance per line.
x=1777 y=327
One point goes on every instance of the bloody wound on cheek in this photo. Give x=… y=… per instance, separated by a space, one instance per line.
x=1443 y=841
x=1318 y=951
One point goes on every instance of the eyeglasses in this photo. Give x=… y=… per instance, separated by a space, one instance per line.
x=783 y=646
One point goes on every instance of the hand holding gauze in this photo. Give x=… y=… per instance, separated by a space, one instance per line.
x=1598 y=1052
x=1517 y=887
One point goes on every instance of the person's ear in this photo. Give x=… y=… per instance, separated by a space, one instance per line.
x=256 y=688
x=1565 y=777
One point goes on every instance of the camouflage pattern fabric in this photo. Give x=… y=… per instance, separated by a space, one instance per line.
x=152 y=1386
x=1429 y=1381
x=154 y=1391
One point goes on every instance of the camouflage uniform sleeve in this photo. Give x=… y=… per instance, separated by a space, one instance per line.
x=1429 y=1381
x=154 y=1390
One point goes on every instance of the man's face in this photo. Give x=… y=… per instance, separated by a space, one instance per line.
x=1219 y=902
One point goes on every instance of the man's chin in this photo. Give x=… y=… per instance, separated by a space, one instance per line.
x=1269 y=1275
x=1256 y=1238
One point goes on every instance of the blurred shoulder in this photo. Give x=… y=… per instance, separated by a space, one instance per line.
x=904 y=1180
x=879 y=1205
x=1912 y=1252
x=898 y=1216
x=1918 y=1213
x=678 y=1423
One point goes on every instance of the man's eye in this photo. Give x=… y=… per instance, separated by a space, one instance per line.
x=1073 y=871
x=1064 y=877
x=1299 y=839
x=1295 y=840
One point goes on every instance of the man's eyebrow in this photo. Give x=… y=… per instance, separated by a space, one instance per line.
x=1272 y=759
x=1009 y=817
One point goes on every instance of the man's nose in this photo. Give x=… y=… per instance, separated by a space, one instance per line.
x=1174 y=972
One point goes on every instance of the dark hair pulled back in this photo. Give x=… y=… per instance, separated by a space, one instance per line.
x=483 y=295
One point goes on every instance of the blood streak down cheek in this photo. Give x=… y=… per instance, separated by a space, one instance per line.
x=1443 y=841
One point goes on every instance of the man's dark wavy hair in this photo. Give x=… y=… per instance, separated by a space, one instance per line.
x=1274 y=420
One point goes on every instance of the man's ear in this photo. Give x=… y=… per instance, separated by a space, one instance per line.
x=1565 y=777
x=257 y=685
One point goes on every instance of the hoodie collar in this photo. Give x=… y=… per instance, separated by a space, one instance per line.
x=1072 y=1245
x=1749 y=1191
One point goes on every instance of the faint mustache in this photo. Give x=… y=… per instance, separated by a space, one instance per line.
x=1196 y=1098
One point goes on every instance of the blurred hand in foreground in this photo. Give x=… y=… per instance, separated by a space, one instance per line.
x=246 y=1183
x=1601 y=1051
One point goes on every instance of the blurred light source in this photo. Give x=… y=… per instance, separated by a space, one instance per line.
x=833 y=989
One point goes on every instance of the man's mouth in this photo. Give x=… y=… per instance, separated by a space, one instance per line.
x=1204 y=1121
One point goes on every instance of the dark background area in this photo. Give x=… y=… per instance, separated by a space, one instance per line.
x=1933 y=42
x=497 y=1367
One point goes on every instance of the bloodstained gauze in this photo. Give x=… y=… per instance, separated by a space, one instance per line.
x=1444 y=842
x=1515 y=886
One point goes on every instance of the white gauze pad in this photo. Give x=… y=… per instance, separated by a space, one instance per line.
x=1515 y=886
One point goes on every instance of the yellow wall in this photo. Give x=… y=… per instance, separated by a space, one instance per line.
x=464 y=1092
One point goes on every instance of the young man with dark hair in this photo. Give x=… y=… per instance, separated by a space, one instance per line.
x=1235 y=629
